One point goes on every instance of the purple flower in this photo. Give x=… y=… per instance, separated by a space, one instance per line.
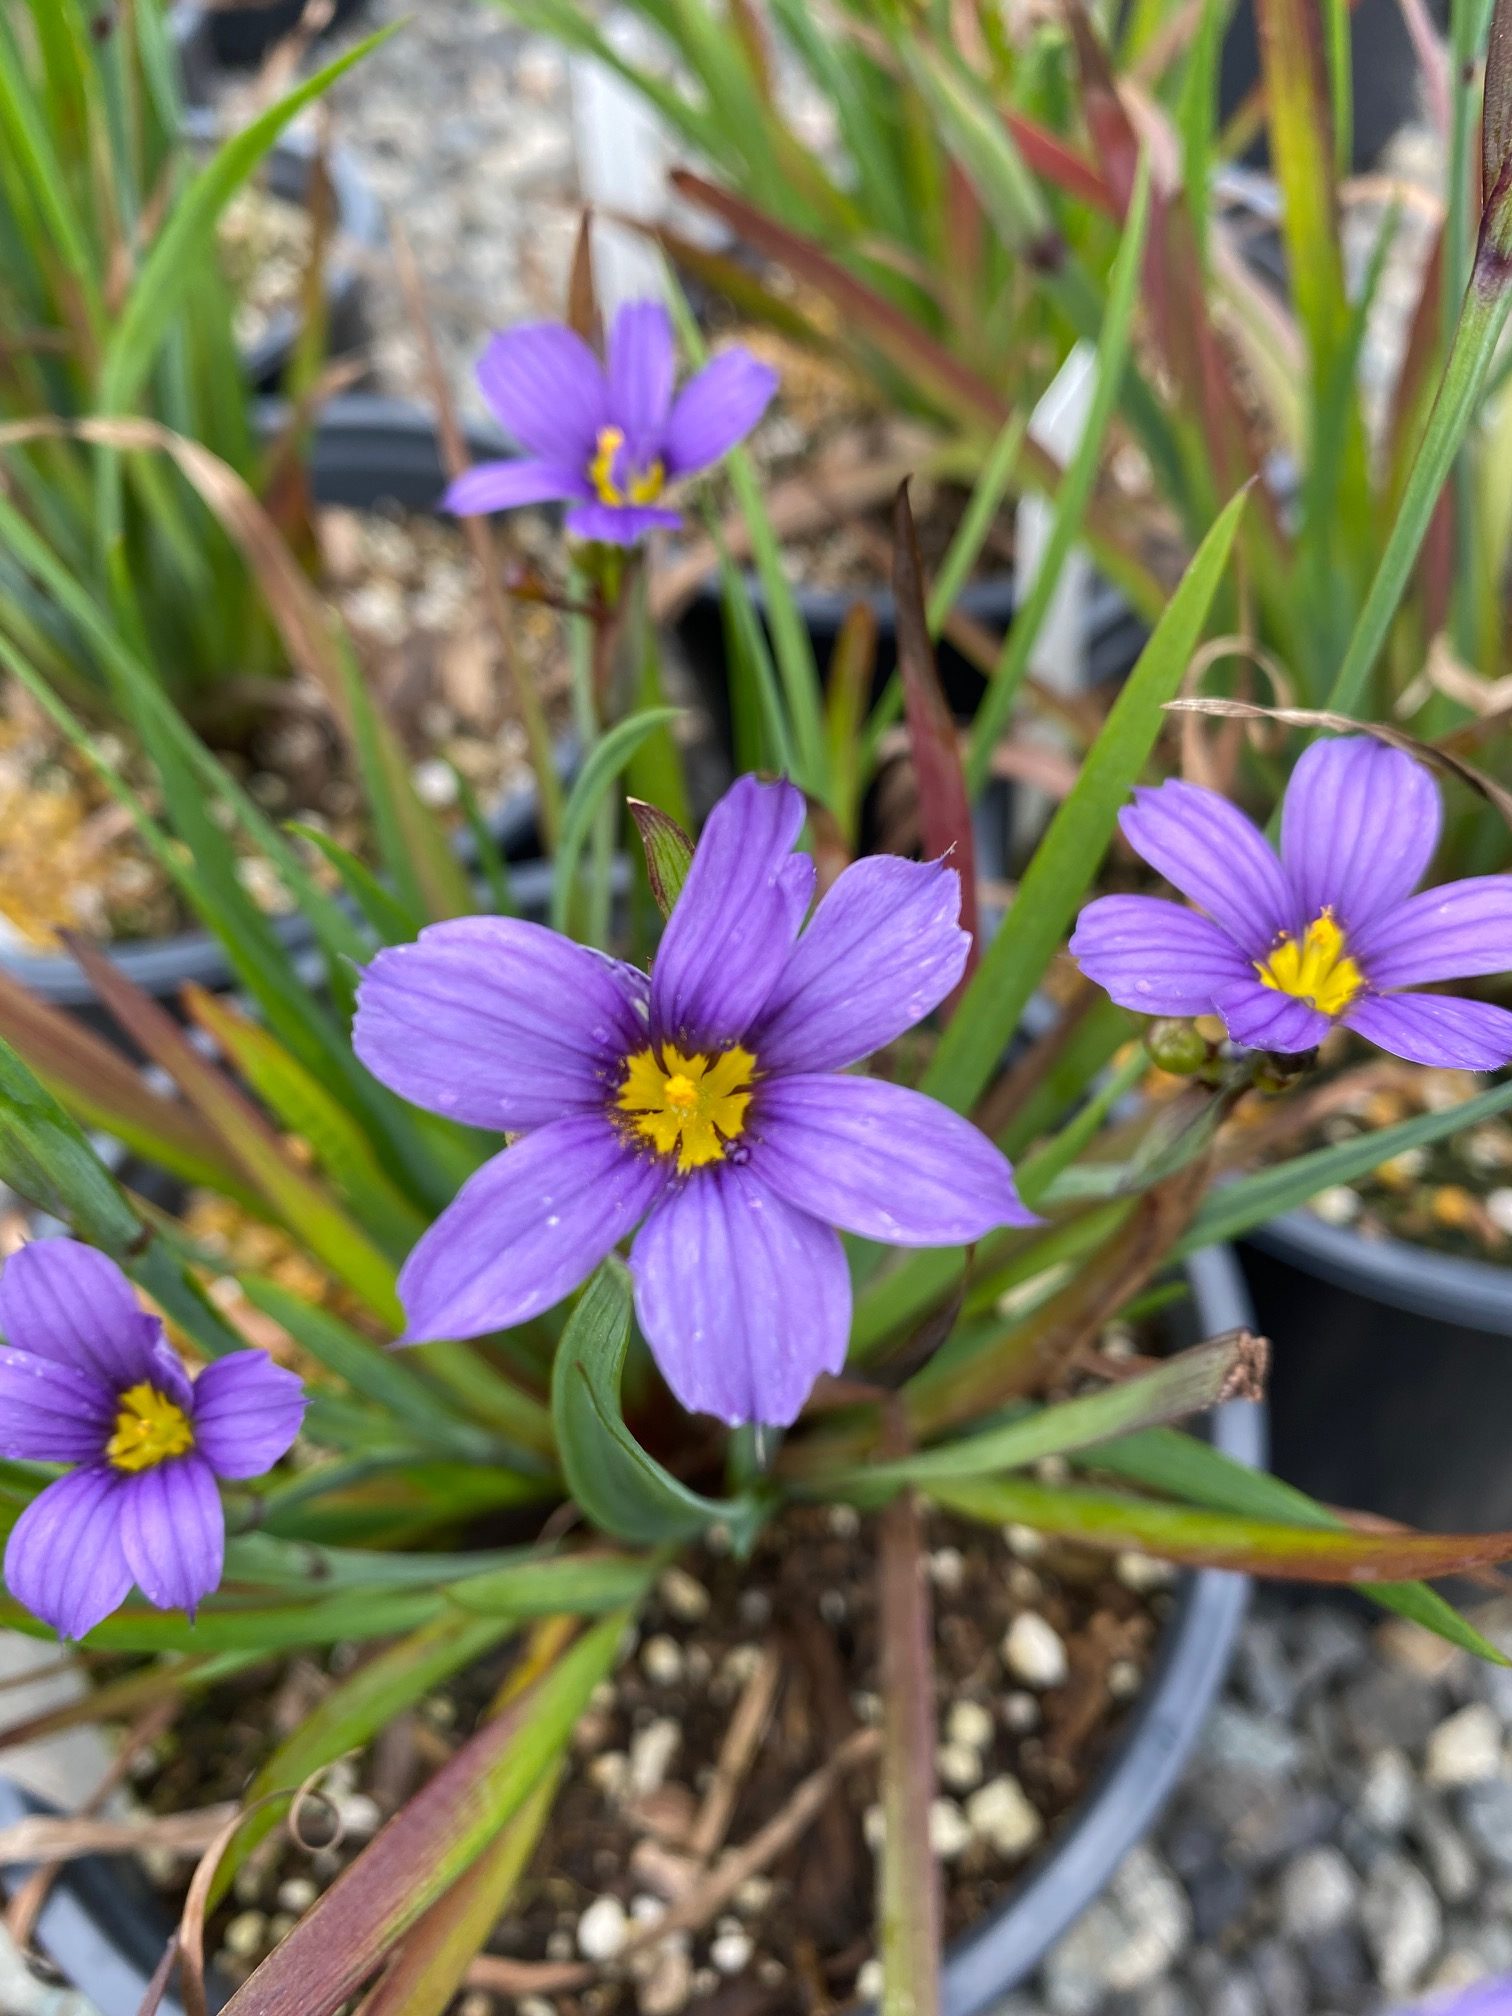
x=1331 y=932
x=89 y=1379
x=1486 y=1998
x=709 y=1103
x=610 y=440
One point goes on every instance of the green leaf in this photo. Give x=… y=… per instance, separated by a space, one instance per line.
x=605 y=761
x=1200 y=1538
x=1182 y=1466
x=394 y=924
x=620 y=1488
x=430 y=1844
x=1067 y=858
x=1188 y=1384
x=1236 y=1207
x=669 y=853
x=46 y=1159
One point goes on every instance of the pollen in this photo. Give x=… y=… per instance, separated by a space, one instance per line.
x=150 y=1428
x=610 y=484
x=1315 y=967
x=690 y=1107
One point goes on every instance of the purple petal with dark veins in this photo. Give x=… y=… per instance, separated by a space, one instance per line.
x=1440 y=1029
x=743 y=1299
x=1218 y=860
x=1358 y=829
x=1448 y=933
x=1156 y=956
x=246 y=1413
x=64 y=1560
x=173 y=1532
x=498 y=1022
x=547 y=391
x=620 y=524
x=716 y=410
x=1263 y=1018
x=527 y=1228
x=62 y=1300
x=881 y=1161
x=504 y=486
x=883 y=949
x=642 y=366
x=51 y=1413
x=732 y=931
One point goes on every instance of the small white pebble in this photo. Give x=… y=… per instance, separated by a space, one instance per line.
x=1143 y=1573
x=874 y=1828
x=1124 y=1679
x=869 y=1982
x=1466 y=1749
x=1337 y=1204
x=559 y=1945
x=246 y=1934
x=754 y=1895
x=610 y=1773
x=1002 y=1814
x=534 y=2005
x=1499 y=1209
x=731 y=1951
x=969 y=1723
x=662 y=1660
x=1021 y=1712
x=868 y=1707
x=947 y=1569
x=684 y=1595
x=297 y=1894
x=280 y=1925
x=1025 y=1542
x=360 y=1817
x=949 y=1835
x=602 y=1929
x=435 y=784
x=651 y=1752
x=833 y=1607
x=1033 y=1651
x=844 y=1521
x=476 y=2004
x=647 y=1910
x=959 y=1766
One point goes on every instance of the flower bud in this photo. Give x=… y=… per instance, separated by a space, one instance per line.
x=1178 y=1047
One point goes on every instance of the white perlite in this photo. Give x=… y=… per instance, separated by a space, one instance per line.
x=1001 y=1814
x=602 y=1929
x=1034 y=1652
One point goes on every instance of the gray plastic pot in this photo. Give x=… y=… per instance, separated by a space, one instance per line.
x=105 y=1932
x=366 y=451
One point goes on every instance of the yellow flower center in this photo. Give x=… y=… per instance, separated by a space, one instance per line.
x=691 y=1107
x=644 y=485
x=1315 y=967
x=149 y=1429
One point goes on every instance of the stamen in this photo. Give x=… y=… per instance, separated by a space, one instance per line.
x=1315 y=968
x=690 y=1107
x=150 y=1428
x=641 y=486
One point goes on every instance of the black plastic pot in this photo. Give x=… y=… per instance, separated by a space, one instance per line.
x=1391 y=1380
x=105 y=1932
x=366 y=451
x=242 y=33
x=360 y=233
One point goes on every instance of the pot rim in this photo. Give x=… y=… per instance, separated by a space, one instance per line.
x=1417 y=1280
x=361 y=437
x=97 y=1922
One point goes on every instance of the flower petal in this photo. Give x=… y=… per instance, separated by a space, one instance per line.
x=527 y=1228
x=715 y=410
x=1156 y=956
x=65 y=1301
x=497 y=1022
x=1263 y=1018
x=1208 y=850
x=547 y=391
x=881 y=1161
x=732 y=931
x=502 y=486
x=743 y=1300
x=51 y=1413
x=247 y=1411
x=1441 y=1029
x=64 y=1560
x=642 y=365
x=884 y=947
x=1358 y=828
x=1446 y=933
x=620 y=524
x=173 y=1532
